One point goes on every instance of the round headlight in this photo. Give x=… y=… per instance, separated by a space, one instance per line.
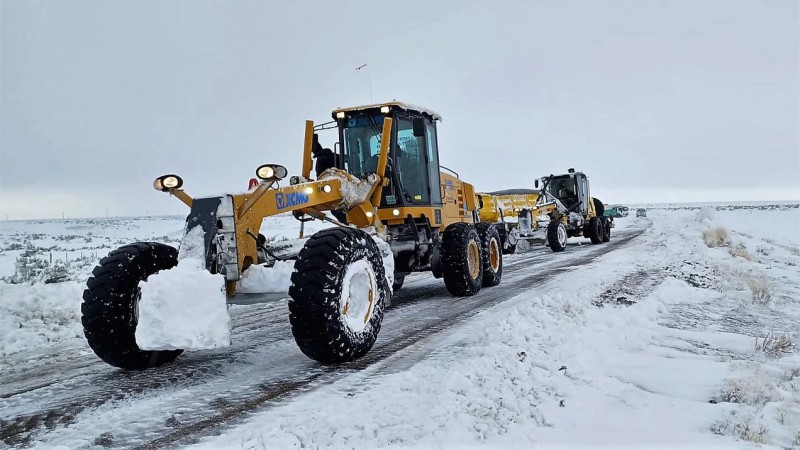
x=369 y=214
x=171 y=182
x=396 y=212
x=309 y=190
x=167 y=182
x=265 y=172
x=327 y=188
x=271 y=172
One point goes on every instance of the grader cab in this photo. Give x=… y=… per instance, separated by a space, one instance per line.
x=403 y=214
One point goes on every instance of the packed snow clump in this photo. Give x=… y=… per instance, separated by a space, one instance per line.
x=258 y=279
x=183 y=308
x=354 y=190
x=388 y=259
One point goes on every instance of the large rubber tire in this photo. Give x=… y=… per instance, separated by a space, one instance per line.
x=606 y=229
x=595 y=230
x=398 y=282
x=491 y=253
x=508 y=249
x=557 y=236
x=320 y=295
x=110 y=300
x=462 y=264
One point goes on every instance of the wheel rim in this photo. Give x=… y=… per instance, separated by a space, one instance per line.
x=562 y=235
x=473 y=259
x=494 y=255
x=357 y=300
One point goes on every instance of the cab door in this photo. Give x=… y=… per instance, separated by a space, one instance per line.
x=416 y=163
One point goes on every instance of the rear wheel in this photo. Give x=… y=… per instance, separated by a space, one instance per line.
x=398 y=282
x=337 y=295
x=606 y=229
x=110 y=302
x=462 y=263
x=491 y=253
x=557 y=235
x=595 y=230
x=509 y=239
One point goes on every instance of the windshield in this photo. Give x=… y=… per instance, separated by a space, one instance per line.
x=562 y=188
x=361 y=144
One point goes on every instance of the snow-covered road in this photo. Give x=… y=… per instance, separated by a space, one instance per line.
x=653 y=340
x=65 y=395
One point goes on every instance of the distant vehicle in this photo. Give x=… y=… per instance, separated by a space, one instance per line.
x=615 y=211
x=641 y=212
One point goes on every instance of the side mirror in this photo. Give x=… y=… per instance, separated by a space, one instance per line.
x=536 y=183
x=419 y=127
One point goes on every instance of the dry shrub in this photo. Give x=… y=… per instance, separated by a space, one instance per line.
x=744 y=430
x=716 y=237
x=739 y=250
x=761 y=289
x=776 y=346
x=751 y=433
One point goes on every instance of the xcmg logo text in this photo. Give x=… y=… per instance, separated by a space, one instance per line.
x=291 y=199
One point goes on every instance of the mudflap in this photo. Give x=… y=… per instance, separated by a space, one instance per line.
x=204 y=215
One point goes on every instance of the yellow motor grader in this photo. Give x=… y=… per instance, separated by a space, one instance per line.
x=511 y=210
x=387 y=183
x=572 y=210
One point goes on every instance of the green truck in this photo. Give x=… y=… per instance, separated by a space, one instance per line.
x=615 y=211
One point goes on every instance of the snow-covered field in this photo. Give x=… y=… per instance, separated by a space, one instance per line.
x=664 y=342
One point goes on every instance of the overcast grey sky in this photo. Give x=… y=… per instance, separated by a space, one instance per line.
x=657 y=101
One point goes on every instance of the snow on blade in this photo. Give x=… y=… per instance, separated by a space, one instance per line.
x=183 y=308
x=260 y=279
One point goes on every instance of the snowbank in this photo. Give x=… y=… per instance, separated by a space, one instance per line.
x=39 y=315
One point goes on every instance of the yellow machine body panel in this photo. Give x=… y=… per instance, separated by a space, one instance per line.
x=495 y=207
x=458 y=202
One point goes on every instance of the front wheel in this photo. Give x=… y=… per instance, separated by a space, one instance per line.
x=557 y=236
x=462 y=263
x=110 y=302
x=338 y=292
